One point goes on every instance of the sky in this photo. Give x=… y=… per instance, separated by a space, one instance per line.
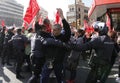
x=51 y=5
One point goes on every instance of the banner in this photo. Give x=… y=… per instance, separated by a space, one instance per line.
x=31 y=11
x=2 y=23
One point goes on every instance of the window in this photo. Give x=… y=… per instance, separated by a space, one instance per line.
x=79 y=9
x=72 y=9
x=86 y=11
x=79 y=16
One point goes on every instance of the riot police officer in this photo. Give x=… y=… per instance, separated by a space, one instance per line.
x=2 y=36
x=101 y=60
x=7 y=48
x=18 y=41
x=41 y=48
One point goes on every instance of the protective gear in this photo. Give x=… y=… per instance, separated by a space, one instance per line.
x=18 y=41
x=51 y=41
x=100 y=27
x=18 y=28
x=103 y=46
x=7 y=48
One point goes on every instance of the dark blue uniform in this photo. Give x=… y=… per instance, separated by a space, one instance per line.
x=18 y=42
x=7 y=48
x=101 y=59
x=2 y=36
x=37 y=55
x=58 y=54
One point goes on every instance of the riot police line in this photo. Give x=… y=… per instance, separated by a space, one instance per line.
x=104 y=46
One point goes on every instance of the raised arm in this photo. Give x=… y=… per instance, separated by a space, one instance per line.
x=66 y=26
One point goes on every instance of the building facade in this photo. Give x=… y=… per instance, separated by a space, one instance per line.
x=43 y=12
x=11 y=12
x=77 y=12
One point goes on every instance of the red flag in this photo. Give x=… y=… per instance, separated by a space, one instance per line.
x=33 y=24
x=2 y=23
x=86 y=24
x=25 y=25
x=57 y=18
x=108 y=22
x=31 y=11
x=87 y=27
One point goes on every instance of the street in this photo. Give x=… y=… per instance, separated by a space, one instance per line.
x=7 y=74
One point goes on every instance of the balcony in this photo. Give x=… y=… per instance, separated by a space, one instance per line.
x=71 y=14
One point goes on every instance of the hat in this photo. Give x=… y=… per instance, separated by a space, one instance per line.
x=17 y=28
x=11 y=27
x=30 y=29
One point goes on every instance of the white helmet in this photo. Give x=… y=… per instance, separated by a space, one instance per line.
x=100 y=27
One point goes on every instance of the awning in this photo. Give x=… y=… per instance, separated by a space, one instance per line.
x=99 y=7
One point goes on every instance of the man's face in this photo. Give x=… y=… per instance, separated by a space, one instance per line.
x=56 y=31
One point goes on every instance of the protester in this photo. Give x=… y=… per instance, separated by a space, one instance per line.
x=59 y=53
x=47 y=23
x=29 y=35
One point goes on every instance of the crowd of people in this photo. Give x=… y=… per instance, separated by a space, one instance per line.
x=57 y=48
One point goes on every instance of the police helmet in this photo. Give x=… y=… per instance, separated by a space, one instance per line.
x=30 y=29
x=18 y=28
x=100 y=27
x=10 y=28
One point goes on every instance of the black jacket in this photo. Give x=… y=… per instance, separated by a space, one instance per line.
x=37 y=48
x=64 y=37
x=102 y=45
x=18 y=41
x=50 y=51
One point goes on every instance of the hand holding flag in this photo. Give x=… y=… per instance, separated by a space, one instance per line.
x=60 y=13
x=59 y=16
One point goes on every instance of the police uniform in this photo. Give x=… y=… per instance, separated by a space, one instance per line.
x=37 y=55
x=7 y=48
x=18 y=42
x=101 y=60
x=2 y=36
